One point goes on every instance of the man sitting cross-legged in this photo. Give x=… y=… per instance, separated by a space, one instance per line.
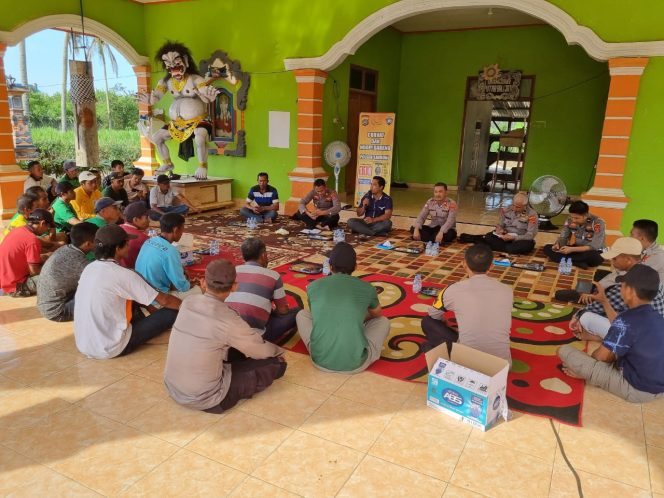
x=516 y=229
x=198 y=374
x=257 y=288
x=592 y=322
x=376 y=210
x=628 y=363
x=20 y=255
x=443 y=211
x=63 y=212
x=163 y=199
x=115 y=190
x=344 y=329
x=159 y=261
x=482 y=306
x=325 y=207
x=108 y=320
x=581 y=239
x=59 y=276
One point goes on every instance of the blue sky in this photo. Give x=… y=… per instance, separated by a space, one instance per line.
x=44 y=58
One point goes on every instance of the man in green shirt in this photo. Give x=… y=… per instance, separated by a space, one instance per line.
x=71 y=173
x=344 y=330
x=115 y=190
x=108 y=212
x=63 y=212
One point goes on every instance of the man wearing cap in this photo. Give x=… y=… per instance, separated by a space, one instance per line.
x=646 y=232
x=344 y=329
x=63 y=212
x=107 y=212
x=482 y=306
x=59 y=276
x=38 y=178
x=71 y=173
x=115 y=190
x=134 y=186
x=108 y=318
x=20 y=255
x=516 y=229
x=257 y=288
x=117 y=169
x=163 y=199
x=159 y=261
x=86 y=195
x=628 y=363
x=375 y=210
x=198 y=374
x=592 y=322
x=136 y=222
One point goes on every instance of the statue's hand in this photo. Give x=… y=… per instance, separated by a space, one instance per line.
x=144 y=98
x=208 y=93
x=201 y=173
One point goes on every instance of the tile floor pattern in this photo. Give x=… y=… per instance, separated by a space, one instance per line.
x=72 y=427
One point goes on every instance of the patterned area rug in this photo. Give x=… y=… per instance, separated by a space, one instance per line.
x=536 y=385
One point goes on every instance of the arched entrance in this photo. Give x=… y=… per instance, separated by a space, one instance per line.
x=626 y=61
x=11 y=176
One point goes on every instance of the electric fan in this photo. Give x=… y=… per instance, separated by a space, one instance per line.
x=337 y=155
x=548 y=197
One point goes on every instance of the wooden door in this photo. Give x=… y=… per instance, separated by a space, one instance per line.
x=358 y=102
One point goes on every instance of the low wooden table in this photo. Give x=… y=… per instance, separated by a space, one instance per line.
x=213 y=193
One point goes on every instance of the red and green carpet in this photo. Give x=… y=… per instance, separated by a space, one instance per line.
x=536 y=384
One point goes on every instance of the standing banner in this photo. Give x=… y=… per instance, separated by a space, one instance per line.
x=375 y=144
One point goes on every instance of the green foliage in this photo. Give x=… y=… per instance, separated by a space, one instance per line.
x=45 y=109
x=55 y=147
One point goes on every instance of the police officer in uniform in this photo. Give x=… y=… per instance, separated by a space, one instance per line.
x=582 y=238
x=442 y=210
x=515 y=231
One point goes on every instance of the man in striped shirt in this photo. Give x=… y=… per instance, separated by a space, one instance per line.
x=257 y=288
x=262 y=201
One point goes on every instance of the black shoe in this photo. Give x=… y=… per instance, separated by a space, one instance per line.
x=567 y=295
x=174 y=176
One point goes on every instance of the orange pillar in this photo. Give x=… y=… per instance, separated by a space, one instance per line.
x=310 y=86
x=606 y=197
x=11 y=176
x=147 y=162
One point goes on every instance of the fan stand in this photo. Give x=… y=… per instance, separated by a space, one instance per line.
x=544 y=223
x=337 y=170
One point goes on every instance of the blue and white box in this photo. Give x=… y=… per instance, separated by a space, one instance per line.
x=467 y=384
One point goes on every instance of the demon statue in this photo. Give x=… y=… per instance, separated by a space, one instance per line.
x=188 y=112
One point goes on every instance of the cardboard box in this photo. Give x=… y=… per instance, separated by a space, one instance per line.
x=467 y=384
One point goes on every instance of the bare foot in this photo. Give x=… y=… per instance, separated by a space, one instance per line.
x=569 y=373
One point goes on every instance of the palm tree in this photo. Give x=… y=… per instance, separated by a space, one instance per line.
x=63 y=93
x=105 y=53
x=23 y=75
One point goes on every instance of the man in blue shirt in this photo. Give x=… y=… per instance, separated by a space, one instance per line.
x=262 y=201
x=375 y=210
x=635 y=343
x=158 y=261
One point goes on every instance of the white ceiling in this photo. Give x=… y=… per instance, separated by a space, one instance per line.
x=456 y=19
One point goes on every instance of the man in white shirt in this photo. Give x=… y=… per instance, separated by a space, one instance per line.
x=37 y=177
x=108 y=320
x=163 y=199
x=646 y=231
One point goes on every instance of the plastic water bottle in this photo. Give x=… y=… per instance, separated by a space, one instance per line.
x=568 y=266
x=338 y=236
x=561 y=266
x=435 y=249
x=214 y=247
x=428 y=249
x=417 y=284
x=152 y=232
x=326 y=266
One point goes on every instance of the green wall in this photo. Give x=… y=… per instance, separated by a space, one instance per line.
x=565 y=124
x=644 y=175
x=382 y=53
